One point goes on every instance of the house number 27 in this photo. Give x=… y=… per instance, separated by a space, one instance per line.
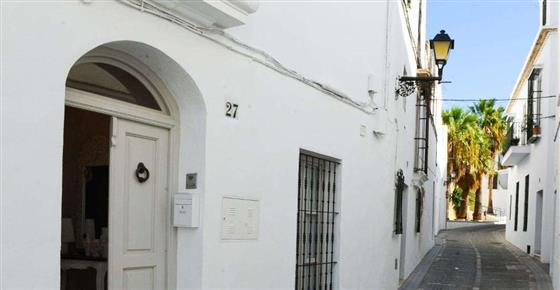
x=231 y=110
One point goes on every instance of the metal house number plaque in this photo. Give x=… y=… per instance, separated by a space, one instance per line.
x=191 y=181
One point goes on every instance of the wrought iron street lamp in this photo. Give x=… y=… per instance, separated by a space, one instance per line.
x=440 y=45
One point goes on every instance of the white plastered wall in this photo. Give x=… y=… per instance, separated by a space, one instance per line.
x=255 y=156
x=555 y=264
x=539 y=164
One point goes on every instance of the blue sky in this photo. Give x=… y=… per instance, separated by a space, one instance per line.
x=492 y=40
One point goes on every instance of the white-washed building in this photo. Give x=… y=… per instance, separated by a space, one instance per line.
x=216 y=144
x=531 y=150
x=500 y=194
x=438 y=167
x=555 y=263
x=495 y=189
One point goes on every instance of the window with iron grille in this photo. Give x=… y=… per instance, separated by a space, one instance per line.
x=419 y=209
x=526 y=204
x=516 y=206
x=534 y=95
x=399 y=191
x=421 y=136
x=316 y=223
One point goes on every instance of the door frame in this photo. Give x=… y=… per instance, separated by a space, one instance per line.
x=168 y=118
x=539 y=215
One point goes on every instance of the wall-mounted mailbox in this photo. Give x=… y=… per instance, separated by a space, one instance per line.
x=185 y=210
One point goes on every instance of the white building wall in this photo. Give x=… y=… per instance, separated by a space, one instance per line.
x=555 y=264
x=255 y=156
x=439 y=167
x=441 y=218
x=434 y=204
x=322 y=50
x=440 y=176
x=499 y=197
x=500 y=200
x=539 y=164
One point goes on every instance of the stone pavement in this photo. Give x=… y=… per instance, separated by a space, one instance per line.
x=477 y=258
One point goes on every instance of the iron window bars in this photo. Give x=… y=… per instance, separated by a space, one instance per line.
x=534 y=95
x=526 y=204
x=419 y=209
x=421 y=136
x=315 y=257
x=515 y=136
x=516 y=206
x=399 y=190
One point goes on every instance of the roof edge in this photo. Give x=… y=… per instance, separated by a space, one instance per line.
x=536 y=49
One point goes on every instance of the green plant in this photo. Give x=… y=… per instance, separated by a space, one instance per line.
x=457 y=198
x=493 y=127
x=475 y=137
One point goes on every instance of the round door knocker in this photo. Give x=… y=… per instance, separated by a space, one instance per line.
x=142 y=173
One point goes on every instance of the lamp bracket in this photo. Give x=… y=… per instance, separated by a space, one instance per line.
x=407 y=85
x=405 y=88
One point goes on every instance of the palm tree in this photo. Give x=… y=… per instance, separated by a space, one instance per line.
x=475 y=137
x=461 y=127
x=493 y=123
x=480 y=163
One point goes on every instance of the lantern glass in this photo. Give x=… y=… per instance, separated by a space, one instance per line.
x=441 y=51
x=441 y=44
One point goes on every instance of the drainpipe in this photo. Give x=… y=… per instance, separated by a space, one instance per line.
x=419 y=43
x=387 y=52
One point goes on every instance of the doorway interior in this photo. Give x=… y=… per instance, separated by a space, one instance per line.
x=85 y=200
x=115 y=172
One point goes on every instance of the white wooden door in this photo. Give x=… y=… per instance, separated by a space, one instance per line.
x=138 y=210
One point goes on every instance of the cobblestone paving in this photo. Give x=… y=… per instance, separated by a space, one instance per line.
x=478 y=258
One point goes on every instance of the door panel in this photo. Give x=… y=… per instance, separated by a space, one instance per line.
x=139 y=278
x=139 y=197
x=138 y=210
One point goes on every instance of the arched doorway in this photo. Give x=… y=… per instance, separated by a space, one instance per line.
x=117 y=163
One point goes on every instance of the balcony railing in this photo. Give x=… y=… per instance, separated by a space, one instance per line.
x=515 y=147
x=516 y=136
x=533 y=128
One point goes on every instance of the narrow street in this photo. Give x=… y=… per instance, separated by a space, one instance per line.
x=477 y=258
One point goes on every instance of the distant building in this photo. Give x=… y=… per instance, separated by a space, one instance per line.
x=498 y=195
x=531 y=148
x=217 y=145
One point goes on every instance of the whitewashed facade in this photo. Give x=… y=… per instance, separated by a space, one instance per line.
x=532 y=157
x=238 y=109
x=498 y=186
x=555 y=263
